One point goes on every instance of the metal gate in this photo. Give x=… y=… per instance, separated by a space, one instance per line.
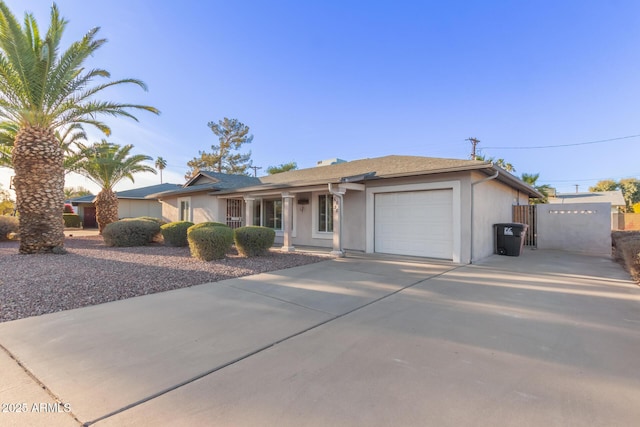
x=526 y=214
x=234 y=213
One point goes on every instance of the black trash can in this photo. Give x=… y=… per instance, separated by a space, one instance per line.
x=509 y=238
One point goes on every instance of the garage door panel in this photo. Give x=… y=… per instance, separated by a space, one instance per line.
x=418 y=223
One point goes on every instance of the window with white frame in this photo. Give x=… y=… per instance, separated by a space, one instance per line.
x=272 y=214
x=325 y=213
x=184 y=209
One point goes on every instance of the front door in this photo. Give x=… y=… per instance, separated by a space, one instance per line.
x=89 y=217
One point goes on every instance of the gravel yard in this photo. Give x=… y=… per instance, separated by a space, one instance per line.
x=92 y=273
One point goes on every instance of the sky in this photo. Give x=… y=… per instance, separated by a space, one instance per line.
x=350 y=79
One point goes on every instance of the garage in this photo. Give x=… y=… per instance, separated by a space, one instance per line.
x=415 y=223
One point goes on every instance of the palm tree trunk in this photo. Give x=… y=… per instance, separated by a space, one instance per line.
x=106 y=208
x=39 y=187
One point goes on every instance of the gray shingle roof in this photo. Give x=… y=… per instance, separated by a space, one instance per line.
x=387 y=166
x=141 y=193
x=211 y=181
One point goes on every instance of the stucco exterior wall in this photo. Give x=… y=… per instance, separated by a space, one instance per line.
x=136 y=208
x=492 y=203
x=575 y=227
x=203 y=208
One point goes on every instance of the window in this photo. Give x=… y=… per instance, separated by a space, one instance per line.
x=184 y=209
x=325 y=213
x=272 y=214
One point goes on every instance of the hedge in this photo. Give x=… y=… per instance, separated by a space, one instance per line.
x=72 y=220
x=175 y=233
x=253 y=240
x=209 y=243
x=131 y=232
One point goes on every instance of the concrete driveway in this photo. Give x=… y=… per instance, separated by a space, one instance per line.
x=547 y=338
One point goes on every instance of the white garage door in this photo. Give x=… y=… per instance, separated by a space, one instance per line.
x=418 y=223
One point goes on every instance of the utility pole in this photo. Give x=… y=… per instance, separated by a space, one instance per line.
x=577 y=185
x=255 y=169
x=474 y=142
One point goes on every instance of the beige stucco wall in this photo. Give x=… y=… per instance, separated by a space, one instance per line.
x=136 y=208
x=203 y=208
x=575 y=227
x=492 y=203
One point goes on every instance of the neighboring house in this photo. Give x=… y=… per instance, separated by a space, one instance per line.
x=131 y=204
x=405 y=205
x=615 y=197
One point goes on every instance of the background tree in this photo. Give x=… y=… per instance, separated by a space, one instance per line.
x=630 y=188
x=605 y=185
x=6 y=203
x=71 y=192
x=499 y=162
x=631 y=191
x=231 y=134
x=284 y=167
x=43 y=89
x=532 y=180
x=160 y=164
x=107 y=164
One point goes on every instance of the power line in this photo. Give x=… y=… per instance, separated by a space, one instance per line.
x=562 y=145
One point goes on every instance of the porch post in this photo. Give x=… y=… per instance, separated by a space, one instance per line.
x=338 y=204
x=248 y=210
x=287 y=222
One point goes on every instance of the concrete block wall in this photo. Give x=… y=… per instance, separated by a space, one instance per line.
x=575 y=227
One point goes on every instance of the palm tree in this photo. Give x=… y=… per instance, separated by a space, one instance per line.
x=160 y=165
x=532 y=179
x=107 y=164
x=499 y=162
x=44 y=90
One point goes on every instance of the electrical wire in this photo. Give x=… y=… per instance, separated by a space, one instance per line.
x=562 y=145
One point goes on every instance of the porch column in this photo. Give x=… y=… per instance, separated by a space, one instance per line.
x=287 y=222
x=248 y=210
x=338 y=203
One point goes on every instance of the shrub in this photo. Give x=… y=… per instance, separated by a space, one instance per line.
x=130 y=232
x=175 y=233
x=8 y=225
x=154 y=219
x=627 y=251
x=208 y=243
x=71 y=220
x=253 y=240
x=209 y=224
x=68 y=208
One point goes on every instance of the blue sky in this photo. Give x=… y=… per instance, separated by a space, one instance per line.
x=354 y=79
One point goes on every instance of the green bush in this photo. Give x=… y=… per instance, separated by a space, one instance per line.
x=72 y=220
x=209 y=224
x=175 y=233
x=208 y=243
x=131 y=232
x=8 y=224
x=253 y=240
x=160 y=221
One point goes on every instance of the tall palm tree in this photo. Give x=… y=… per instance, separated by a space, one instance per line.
x=532 y=180
x=43 y=90
x=107 y=164
x=161 y=164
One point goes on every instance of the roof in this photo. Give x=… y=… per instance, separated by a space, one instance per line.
x=141 y=193
x=614 y=197
x=353 y=171
x=136 y=193
x=383 y=167
x=207 y=181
